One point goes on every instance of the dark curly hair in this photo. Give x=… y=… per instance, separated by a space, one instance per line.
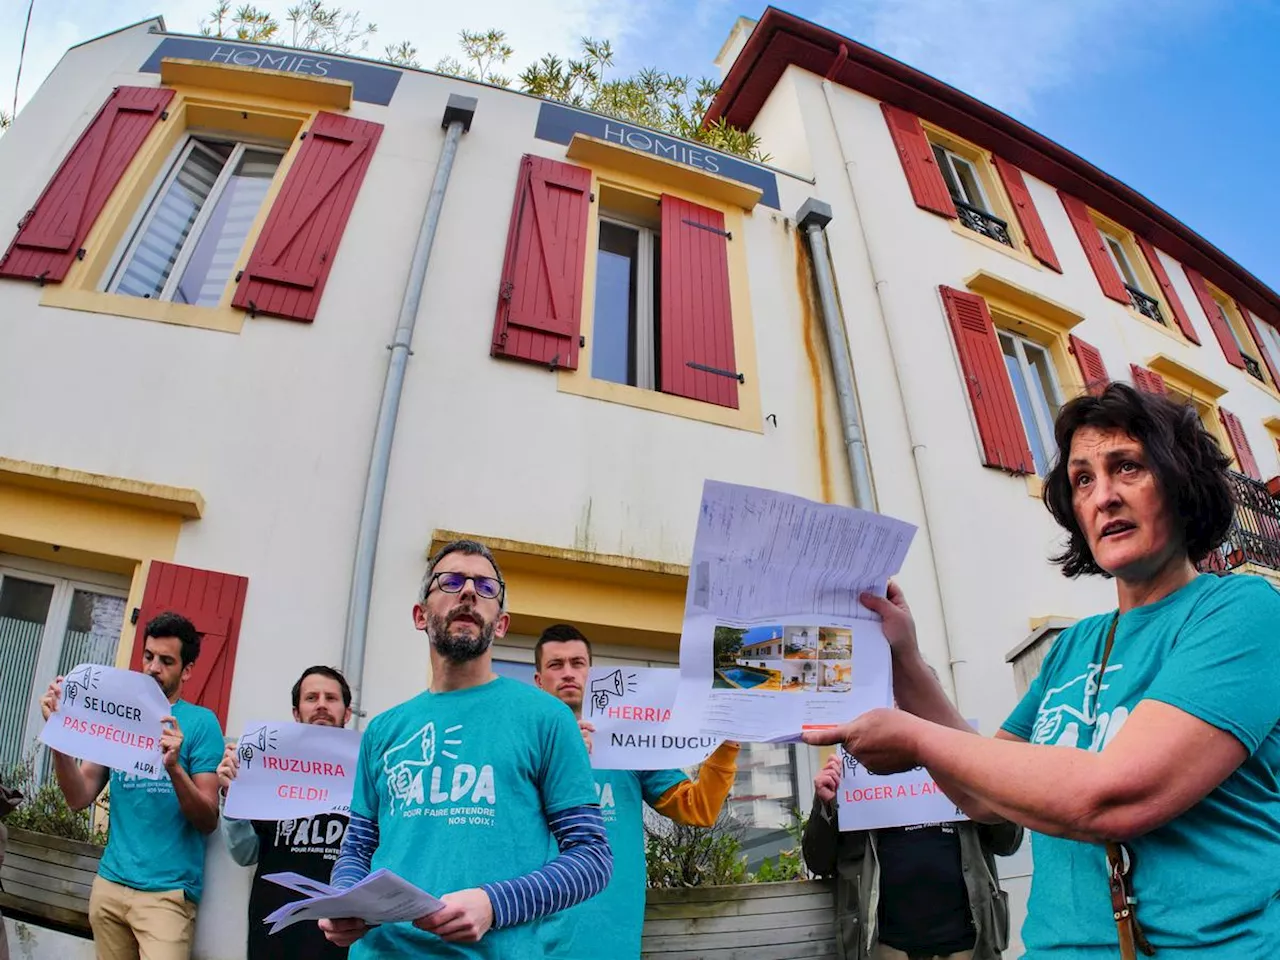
x=171 y=624
x=1188 y=466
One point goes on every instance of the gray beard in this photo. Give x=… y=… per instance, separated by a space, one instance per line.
x=458 y=648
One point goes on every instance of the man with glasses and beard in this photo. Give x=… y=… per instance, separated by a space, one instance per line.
x=308 y=845
x=467 y=789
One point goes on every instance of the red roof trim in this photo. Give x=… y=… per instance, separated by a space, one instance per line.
x=781 y=39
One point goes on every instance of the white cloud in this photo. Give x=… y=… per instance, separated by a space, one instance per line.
x=1009 y=52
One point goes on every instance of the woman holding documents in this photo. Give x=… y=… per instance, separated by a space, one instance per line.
x=1160 y=821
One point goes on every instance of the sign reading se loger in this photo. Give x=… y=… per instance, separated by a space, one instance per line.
x=370 y=83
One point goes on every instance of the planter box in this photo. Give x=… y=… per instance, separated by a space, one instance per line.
x=759 y=921
x=48 y=877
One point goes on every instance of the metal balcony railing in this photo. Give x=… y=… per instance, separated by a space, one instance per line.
x=979 y=221
x=1255 y=532
x=1145 y=305
x=1253 y=367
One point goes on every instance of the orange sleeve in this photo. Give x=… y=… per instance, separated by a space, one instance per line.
x=698 y=802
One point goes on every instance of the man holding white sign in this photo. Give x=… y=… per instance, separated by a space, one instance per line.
x=562 y=658
x=308 y=845
x=152 y=872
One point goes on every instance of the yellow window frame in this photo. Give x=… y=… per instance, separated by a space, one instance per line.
x=1198 y=391
x=643 y=179
x=1142 y=273
x=279 y=113
x=1244 y=339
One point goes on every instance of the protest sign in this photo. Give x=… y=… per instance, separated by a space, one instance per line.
x=112 y=717
x=868 y=802
x=775 y=640
x=291 y=770
x=630 y=707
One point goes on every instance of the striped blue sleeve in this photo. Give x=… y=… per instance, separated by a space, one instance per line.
x=580 y=871
x=355 y=859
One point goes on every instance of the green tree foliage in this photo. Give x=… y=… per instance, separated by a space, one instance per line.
x=310 y=25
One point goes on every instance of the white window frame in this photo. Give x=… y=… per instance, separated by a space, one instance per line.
x=1029 y=377
x=646 y=318
x=1120 y=257
x=148 y=210
x=953 y=158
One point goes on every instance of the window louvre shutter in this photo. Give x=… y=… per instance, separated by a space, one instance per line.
x=1095 y=250
x=1028 y=216
x=539 y=313
x=1004 y=441
x=695 y=336
x=1267 y=359
x=1148 y=380
x=928 y=189
x=52 y=233
x=214 y=602
x=1226 y=339
x=286 y=273
x=1170 y=295
x=1240 y=442
x=1092 y=368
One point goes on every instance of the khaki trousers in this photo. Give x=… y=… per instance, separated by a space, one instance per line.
x=133 y=924
x=885 y=952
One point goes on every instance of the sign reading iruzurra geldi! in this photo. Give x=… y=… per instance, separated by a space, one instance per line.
x=290 y=770
x=112 y=717
x=370 y=83
x=558 y=124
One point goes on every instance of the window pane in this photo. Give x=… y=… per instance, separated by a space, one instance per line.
x=1122 y=262
x=944 y=165
x=969 y=183
x=24 y=609
x=1044 y=389
x=763 y=797
x=175 y=210
x=93 y=630
x=1023 y=395
x=224 y=234
x=613 y=353
x=515 y=670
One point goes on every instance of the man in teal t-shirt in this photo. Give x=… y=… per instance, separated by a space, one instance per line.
x=609 y=927
x=1210 y=649
x=152 y=872
x=477 y=791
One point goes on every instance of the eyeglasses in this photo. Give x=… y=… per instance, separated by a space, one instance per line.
x=488 y=588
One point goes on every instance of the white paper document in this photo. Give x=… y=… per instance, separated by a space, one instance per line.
x=112 y=717
x=381 y=897
x=868 y=802
x=630 y=707
x=292 y=770
x=774 y=638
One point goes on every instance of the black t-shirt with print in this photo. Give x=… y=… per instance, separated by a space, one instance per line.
x=310 y=847
x=924 y=906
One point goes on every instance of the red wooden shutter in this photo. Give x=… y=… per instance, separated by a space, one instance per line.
x=1226 y=339
x=928 y=189
x=695 y=336
x=1028 y=216
x=1262 y=347
x=1170 y=295
x=214 y=602
x=53 y=231
x=1004 y=441
x=540 y=301
x=1148 y=380
x=286 y=272
x=1095 y=250
x=1240 y=442
x=1092 y=368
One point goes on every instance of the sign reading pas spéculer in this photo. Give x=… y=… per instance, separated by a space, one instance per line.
x=370 y=83
x=558 y=124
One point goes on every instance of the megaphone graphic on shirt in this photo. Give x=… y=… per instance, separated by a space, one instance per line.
x=256 y=741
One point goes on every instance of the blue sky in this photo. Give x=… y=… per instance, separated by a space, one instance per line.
x=1175 y=97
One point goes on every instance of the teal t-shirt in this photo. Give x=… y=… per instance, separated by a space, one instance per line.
x=151 y=845
x=608 y=926
x=1208 y=880
x=460 y=785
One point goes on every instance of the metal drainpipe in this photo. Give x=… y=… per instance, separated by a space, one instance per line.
x=812 y=218
x=458 y=113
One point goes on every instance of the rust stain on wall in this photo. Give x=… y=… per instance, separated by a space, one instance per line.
x=814 y=352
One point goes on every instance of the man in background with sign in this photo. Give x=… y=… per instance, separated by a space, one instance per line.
x=308 y=846
x=936 y=885
x=609 y=926
x=152 y=873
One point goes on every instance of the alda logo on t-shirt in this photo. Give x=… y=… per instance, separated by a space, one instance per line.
x=417 y=784
x=1068 y=710
x=604 y=797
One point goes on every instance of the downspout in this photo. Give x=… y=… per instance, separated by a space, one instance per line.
x=458 y=113
x=812 y=217
x=895 y=355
